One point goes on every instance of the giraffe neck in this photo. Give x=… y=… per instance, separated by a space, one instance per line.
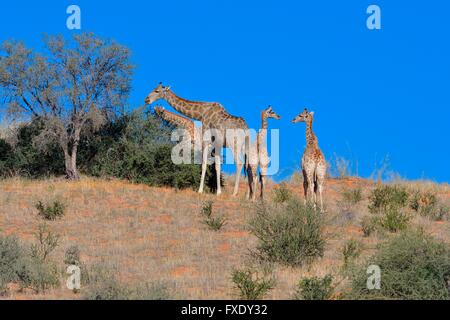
x=264 y=124
x=179 y=122
x=190 y=109
x=311 y=140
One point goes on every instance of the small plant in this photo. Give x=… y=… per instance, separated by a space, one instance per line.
x=281 y=193
x=250 y=285
x=291 y=234
x=207 y=209
x=351 y=251
x=388 y=202
x=105 y=286
x=368 y=225
x=352 y=197
x=386 y=197
x=72 y=256
x=394 y=220
x=427 y=205
x=214 y=223
x=47 y=241
x=314 y=288
x=414 y=266
x=50 y=212
x=11 y=254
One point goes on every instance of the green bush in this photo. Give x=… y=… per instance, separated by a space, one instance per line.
x=105 y=286
x=214 y=223
x=51 y=211
x=387 y=197
x=291 y=234
x=394 y=220
x=281 y=194
x=352 y=197
x=314 y=288
x=30 y=269
x=11 y=254
x=72 y=256
x=351 y=251
x=251 y=286
x=414 y=266
x=368 y=225
x=388 y=203
x=427 y=205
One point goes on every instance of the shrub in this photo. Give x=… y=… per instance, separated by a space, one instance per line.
x=52 y=211
x=427 y=205
x=351 y=251
x=291 y=234
x=47 y=241
x=314 y=288
x=105 y=286
x=388 y=202
x=281 y=194
x=36 y=274
x=11 y=253
x=352 y=197
x=251 y=286
x=214 y=223
x=386 y=197
x=414 y=266
x=394 y=220
x=423 y=202
x=368 y=225
x=72 y=256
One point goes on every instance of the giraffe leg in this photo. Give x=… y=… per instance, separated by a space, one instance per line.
x=254 y=182
x=204 y=164
x=263 y=185
x=321 y=176
x=217 y=159
x=305 y=185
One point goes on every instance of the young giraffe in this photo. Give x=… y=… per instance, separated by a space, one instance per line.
x=213 y=116
x=180 y=122
x=259 y=155
x=313 y=162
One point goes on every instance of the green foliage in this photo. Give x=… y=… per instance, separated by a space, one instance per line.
x=11 y=253
x=281 y=194
x=414 y=266
x=427 y=205
x=393 y=220
x=352 y=197
x=351 y=250
x=388 y=202
x=289 y=234
x=314 y=288
x=250 y=285
x=46 y=242
x=214 y=223
x=72 y=256
x=29 y=268
x=51 y=211
x=105 y=286
x=25 y=159
x=387 y=197
x=368 y=225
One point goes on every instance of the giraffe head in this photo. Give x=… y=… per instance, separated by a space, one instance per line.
x=269 y=113
x=158 y=93
x=159 y=110
x=305 y=116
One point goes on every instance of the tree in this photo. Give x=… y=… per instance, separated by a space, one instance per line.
x=72 y=87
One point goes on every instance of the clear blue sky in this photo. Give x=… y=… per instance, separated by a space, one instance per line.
x=374 y=93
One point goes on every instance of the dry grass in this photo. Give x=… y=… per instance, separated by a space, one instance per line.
x=156 y=234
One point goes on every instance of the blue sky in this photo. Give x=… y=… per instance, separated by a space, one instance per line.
x=374 y=93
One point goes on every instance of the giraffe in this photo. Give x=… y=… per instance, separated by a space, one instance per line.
x=180 y=122
x=313 y=162
x=258 y=155
x=215 y=118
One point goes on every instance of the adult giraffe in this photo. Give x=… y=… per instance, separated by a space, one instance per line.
x=221 y=125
